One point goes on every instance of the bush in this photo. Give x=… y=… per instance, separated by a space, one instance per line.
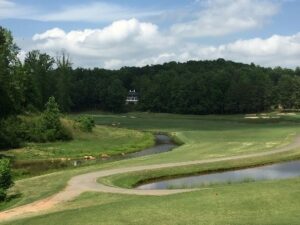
x=47 y=127
x=50 y=125
x=5 y=178
x=2 y=194
x=44 y=128
x=11 y=133
x=85 y=123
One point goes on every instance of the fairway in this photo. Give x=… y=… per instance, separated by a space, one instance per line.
x=209 y=136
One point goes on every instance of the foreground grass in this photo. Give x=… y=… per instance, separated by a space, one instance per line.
x=258 y=203
x=32 y=189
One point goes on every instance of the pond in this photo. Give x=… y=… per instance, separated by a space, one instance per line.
x=269 y=172
x=163 y=144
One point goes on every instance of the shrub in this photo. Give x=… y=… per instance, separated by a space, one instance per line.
x=2 y=194
x=5 y=178
x=85 y=123
x=47 y=127
x=11 y=133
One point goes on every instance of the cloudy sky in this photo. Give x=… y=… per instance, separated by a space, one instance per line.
x=118 y=33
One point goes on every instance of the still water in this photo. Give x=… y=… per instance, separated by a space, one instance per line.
x=163 y=143
x=269 y=172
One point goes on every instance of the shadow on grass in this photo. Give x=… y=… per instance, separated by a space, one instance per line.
x=10 y=201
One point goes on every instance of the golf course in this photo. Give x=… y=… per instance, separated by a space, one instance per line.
x=183 y=112
x=104 y=192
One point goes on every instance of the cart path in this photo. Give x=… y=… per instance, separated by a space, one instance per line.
x=88 y=182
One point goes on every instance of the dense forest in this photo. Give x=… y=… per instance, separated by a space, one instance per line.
x=194 y=87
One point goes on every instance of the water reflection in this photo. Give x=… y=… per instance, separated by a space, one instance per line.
x=270 y=172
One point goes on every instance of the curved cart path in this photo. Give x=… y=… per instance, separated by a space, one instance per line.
x=88 y=182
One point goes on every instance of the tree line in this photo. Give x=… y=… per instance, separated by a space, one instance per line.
x=194 y=87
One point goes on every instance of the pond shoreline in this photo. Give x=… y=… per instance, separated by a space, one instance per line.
x=55 y=165
x=210 y=172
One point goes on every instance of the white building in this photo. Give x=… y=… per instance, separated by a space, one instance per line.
x=132 y=97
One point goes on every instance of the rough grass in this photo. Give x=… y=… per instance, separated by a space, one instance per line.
x=103 y=140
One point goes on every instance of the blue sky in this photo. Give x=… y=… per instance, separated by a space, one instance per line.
x=117 y=33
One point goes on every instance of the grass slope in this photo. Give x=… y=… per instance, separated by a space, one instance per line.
x=103 y=140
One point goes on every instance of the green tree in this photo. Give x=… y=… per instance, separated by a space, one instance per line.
x=10 y=132
x=5 y=178
x=113 y=97
x=38 y=67
x=50 y=116
x=63 y=72
x=50 y=125
x=289 y=92
x=9 y=83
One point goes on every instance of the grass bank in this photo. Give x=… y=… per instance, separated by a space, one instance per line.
x=39 y=158
x=103 y=140
x=133 y=179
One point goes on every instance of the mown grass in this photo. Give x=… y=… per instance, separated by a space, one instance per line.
x=31 y=189
x=209 y=136
x=258 y=203
x=130 y=180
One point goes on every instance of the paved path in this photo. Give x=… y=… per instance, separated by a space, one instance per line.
x=88 y=182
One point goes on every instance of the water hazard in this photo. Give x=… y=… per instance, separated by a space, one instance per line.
x=163 y=143
x=269 y=172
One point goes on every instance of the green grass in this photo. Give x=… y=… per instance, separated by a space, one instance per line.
x=258 y=203
x=103 y=140
x=31 y=189
x=130 y=180
x=204 y=137
x=208 y=136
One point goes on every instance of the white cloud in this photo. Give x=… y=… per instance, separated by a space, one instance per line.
x=273 y=51
x=88 y=12
x=96 y=12
x=135 y=43
x=54 y=33
x=9 y=9
x=221 y=17
x=111 y=45
x=130 y=42
x=283 y=45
